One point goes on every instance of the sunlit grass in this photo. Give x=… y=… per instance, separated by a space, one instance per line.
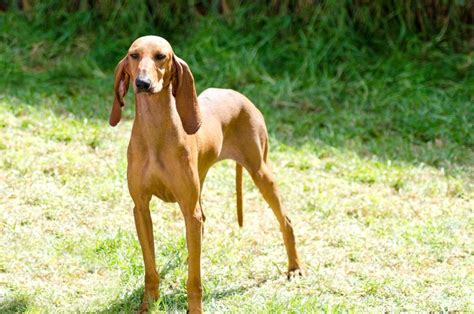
x=371 y=233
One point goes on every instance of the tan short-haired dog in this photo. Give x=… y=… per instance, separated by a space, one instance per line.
x=176 y=137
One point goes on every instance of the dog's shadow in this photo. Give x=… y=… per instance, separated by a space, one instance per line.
x=17 y=304
x=169 y=302
x=174 y=301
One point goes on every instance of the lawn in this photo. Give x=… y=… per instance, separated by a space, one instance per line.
x=371 y=144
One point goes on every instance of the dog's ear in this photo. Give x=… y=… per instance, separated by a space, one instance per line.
x=122 y=79
x=184 y=92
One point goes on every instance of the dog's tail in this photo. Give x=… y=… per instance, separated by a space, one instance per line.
x=238 y=187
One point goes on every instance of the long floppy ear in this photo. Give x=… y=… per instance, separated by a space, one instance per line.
x=184 y=92
x=122 y=78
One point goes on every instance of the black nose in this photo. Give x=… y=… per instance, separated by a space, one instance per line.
x=143 y=83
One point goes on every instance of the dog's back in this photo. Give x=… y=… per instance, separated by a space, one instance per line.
x=233 y=119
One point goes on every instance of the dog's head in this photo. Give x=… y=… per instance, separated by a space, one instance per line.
x=152 y=67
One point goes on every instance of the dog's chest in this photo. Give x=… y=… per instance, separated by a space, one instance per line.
x=159 y=164
x=158 y=172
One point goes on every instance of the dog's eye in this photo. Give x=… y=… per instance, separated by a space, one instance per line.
x=160 y=56
x=134 y=55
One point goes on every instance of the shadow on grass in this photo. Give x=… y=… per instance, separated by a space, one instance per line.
x=396 y=132
x=174 y=301
x=171 y=300
x=16 y=304
x=126 y=304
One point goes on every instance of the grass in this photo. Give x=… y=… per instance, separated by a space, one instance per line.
x=371 y=142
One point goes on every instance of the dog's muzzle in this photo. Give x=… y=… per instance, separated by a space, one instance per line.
x=143 y=84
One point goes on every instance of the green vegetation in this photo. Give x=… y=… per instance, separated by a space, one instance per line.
x=372 y=136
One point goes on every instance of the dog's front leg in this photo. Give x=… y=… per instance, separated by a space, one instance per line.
x=194 y=220
x=144 y=227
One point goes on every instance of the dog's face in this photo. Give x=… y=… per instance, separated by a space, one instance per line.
x=152 y=67
x=150 y=61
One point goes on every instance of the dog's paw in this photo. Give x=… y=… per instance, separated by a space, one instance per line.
x=143 y=308
x=148 y=300
x=294 y=273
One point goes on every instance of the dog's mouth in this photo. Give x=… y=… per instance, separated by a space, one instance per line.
x=144 y=91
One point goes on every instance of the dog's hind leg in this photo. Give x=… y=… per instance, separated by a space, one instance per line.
x=264 y=180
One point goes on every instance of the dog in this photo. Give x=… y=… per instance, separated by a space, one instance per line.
x=176 y=137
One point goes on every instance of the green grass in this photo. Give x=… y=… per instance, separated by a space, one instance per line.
x=371 y=143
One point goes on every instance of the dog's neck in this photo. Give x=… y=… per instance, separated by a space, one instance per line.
x=156 y=117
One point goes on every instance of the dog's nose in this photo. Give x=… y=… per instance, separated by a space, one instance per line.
x=143 y=83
